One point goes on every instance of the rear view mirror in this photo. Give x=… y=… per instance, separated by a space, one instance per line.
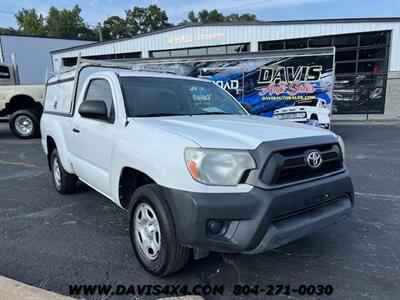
x=93 y=109
x=247 y=107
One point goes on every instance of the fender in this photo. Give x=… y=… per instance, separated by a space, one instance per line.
x=128 y=153
x=51 y=127
x=33 y=91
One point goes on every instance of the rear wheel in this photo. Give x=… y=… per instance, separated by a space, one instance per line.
x=152 y=232
x=25 y=124
x=64 y=182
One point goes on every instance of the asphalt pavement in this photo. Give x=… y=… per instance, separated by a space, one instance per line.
x=51 y=241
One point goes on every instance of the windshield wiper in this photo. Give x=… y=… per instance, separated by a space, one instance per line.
x=160 y=114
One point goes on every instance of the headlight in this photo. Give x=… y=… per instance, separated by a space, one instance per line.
x=341 y=144
x=218 y=167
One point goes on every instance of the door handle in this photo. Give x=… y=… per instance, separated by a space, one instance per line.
x=75 y=130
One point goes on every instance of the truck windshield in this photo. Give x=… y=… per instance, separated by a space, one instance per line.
x=308 y=102
x=155 y=97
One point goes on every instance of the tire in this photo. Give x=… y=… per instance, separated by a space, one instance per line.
x=64 y=183
x=171 y=256
x=25 y=124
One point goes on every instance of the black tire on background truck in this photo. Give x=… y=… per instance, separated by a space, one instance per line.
x=152 y=232
x=25 y=124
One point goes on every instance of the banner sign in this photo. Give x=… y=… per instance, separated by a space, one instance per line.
x=295 y=87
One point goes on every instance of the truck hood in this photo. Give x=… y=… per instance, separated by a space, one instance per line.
x=231 y=131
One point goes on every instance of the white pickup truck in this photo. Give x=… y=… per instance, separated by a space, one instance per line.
x=312 y=110
x=196 y=172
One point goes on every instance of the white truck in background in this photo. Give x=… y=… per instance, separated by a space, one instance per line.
x=312 y=111
x=21 y=104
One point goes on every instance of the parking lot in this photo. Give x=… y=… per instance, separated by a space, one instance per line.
x=50 y=241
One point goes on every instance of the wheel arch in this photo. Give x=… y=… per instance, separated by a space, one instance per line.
x=51 y=145
x=22 y=101
x=130 y=180
x=54 y=135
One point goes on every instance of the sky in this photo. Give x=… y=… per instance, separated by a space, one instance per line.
x=94 y=11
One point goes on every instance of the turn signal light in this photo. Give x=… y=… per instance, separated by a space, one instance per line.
x=194 y=171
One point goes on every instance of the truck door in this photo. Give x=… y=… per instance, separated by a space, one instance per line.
x=231 y=79
x=92 y=139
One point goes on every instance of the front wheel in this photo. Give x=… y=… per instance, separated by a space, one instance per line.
x=152 y=232
x=25 y=124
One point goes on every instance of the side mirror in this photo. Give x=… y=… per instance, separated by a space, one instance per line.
x=247 y=107
x=93 y=109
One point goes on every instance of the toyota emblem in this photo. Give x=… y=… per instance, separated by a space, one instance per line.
x=314 y=159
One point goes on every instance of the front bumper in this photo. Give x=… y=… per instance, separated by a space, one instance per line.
x=262 y=219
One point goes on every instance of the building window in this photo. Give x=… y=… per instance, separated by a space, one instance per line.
x=161 y=54
x=320 y=42
x=237 y=48
x=71 y=61
x=222 y=49
x=375 y=38
x=197 y=51
x=345 y=68
x=361 y=66
x=296 y=44
x=273 y=45
x=180 y=52
x=345 y=41
x=372 y=53
x=216 y=50
x=346 y=55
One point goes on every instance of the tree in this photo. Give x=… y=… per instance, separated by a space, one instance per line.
x=114 y=27
x=9 y=30
x=241 y=18
x=214 y=15
x=30 y=22
x=144 y=19
x=205 y=16
x=67 y=23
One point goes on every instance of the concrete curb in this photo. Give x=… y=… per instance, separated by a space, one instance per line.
x=14 y=290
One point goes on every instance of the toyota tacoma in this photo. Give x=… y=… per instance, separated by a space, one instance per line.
x=195 y=171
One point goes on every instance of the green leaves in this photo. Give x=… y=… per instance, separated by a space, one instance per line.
x=213 y=16
x=145 y=19
x=68 y=23
x=114 y=28
x=64 y=23
x=30 y=22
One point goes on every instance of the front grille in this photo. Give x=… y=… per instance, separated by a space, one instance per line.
x=304 y=210
x=289 y=165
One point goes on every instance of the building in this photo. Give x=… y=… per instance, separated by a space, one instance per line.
x=32 y=54
x=367 y=59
